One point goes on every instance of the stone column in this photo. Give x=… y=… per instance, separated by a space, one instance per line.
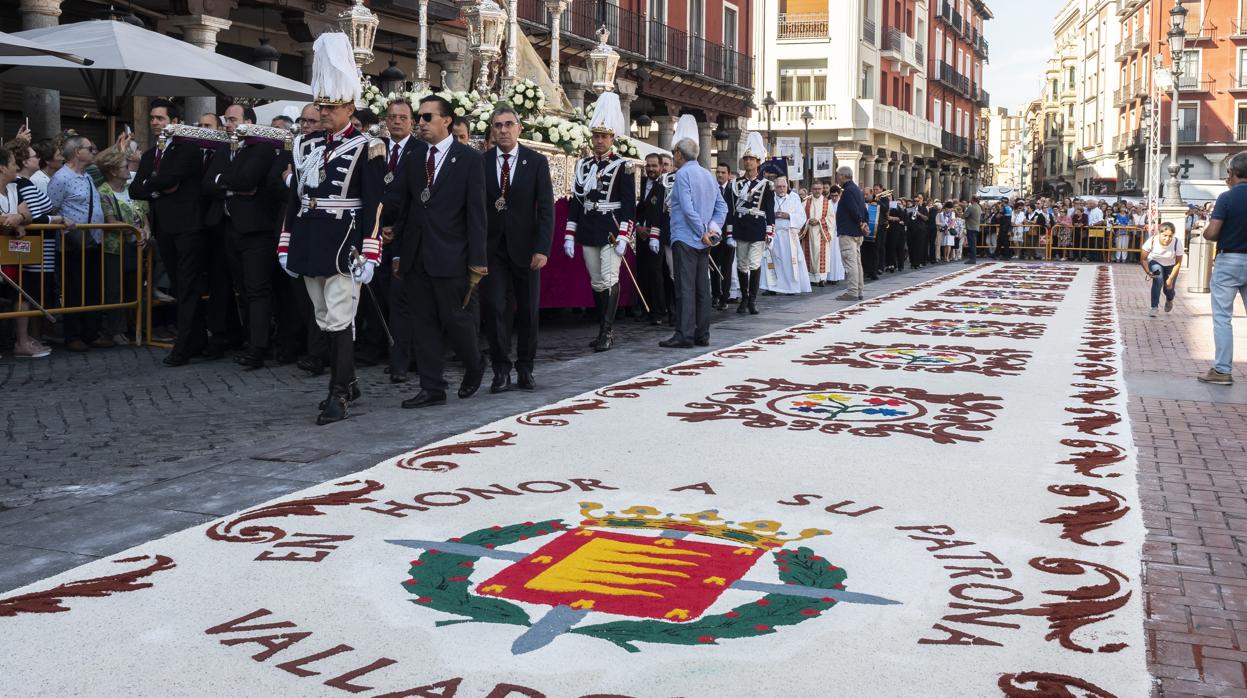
x=730 y=155
x=305 y=52
x=895 y=180
x=627 y=95
x=201 y=31
x=866 y=177
x=666 y=130
x=43 y=107
x=884 y=174
x=574 y=81
x=705 y=142
x=851 y=159
x=456 y=62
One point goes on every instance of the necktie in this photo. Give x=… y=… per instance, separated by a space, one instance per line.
x=506 y=174
x=160 y=153
x=393 y=164
x=430 y=167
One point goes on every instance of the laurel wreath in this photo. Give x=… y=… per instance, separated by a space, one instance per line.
x=441 y=581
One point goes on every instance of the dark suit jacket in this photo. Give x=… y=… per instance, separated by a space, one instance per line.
x=526 y=227
x=181 y=166
x=851 y=212
x=242 y=181
x=652 y=215
x=392 y=200
x=445 y=234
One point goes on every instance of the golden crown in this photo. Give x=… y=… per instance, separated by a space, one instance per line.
x=762 y=534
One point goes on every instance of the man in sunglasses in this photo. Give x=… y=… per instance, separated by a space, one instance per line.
x=331 y=236
x=439 y=236
x=519 y=200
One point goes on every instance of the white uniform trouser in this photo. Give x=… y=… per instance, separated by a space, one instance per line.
x=334 y=299
x=749 y=256
x=603 y=266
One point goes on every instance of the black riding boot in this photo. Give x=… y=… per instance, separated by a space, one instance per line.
x=608 y=319
x=599 y=305
x=755 y=277
x=743 y=278
x=343 y=387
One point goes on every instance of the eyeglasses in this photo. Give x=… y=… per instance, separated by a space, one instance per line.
x=503 y=124
x=426 y=117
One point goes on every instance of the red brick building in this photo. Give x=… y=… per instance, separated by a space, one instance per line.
x=957 y=59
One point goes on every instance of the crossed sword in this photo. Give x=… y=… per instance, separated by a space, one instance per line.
x=560 y=619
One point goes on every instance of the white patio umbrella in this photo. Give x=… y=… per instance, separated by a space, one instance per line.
x=129 y=61
x=14 y=46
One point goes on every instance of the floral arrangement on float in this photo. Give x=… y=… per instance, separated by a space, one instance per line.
x=571 y=135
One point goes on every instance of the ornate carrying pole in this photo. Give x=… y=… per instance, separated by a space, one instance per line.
x=422 y=53
x=556 y=9
x=511 y=66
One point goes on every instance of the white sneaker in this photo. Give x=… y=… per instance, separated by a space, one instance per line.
x=1151 y=313
x=163 y=297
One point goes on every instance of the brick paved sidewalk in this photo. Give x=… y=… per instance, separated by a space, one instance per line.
x=106 y=450
x=1192 y=441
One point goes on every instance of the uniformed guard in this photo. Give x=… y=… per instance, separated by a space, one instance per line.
x=602 y=209
x=751 y=221
x=330 y=234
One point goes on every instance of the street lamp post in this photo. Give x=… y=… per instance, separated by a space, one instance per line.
x=768 y=103
x=1177 y=39
x=807 y=116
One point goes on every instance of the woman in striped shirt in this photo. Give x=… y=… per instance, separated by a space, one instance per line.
x=36 y=279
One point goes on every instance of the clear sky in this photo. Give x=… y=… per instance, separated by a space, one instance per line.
x=1020 y=42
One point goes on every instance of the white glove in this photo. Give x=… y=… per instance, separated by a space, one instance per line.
x=731 y=241
x=770 y=241
x=363 y=275
x=281 y=259
x=569 y=248
x=621 y=246
x=653 y=245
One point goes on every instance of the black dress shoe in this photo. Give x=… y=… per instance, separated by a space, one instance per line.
x=501 y=382
x=250 y=360
x=471 y=383
x=214 y=351
x=524 y=380
x=282 y=358
x=332 y=410
x=174 y=360
x=425 y=398
x=701 y=342
x=674 y=343
x=398 y=377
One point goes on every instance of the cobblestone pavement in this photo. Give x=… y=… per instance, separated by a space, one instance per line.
x=109 y=449
x=1192 y=441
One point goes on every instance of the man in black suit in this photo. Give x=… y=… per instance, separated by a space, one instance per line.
x=724 y=256
x=386 y=287
x=440 y=237
x=170 y=180
x=652 y=232
x=240 y=204
x=519 y=201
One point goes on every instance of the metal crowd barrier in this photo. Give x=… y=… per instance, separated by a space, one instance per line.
x=1063 y=242
x=56 y=293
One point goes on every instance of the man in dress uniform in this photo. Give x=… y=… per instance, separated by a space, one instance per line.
x=751 y=221
x=440 y=233
x=171 y=179
x=602 y=209
x=330 y=236
x=651 y=225
x=242 y=208
x=519 y=199
x=723 y=256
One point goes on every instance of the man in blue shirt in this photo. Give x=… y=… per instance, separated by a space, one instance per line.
x=697 y=214
x=851 y=224
x=1228 y=228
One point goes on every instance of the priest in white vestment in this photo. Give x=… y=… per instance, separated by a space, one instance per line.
x=820 y=244
x=786 y=272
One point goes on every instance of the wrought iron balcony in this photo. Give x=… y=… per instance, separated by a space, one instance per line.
x=805 y=25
